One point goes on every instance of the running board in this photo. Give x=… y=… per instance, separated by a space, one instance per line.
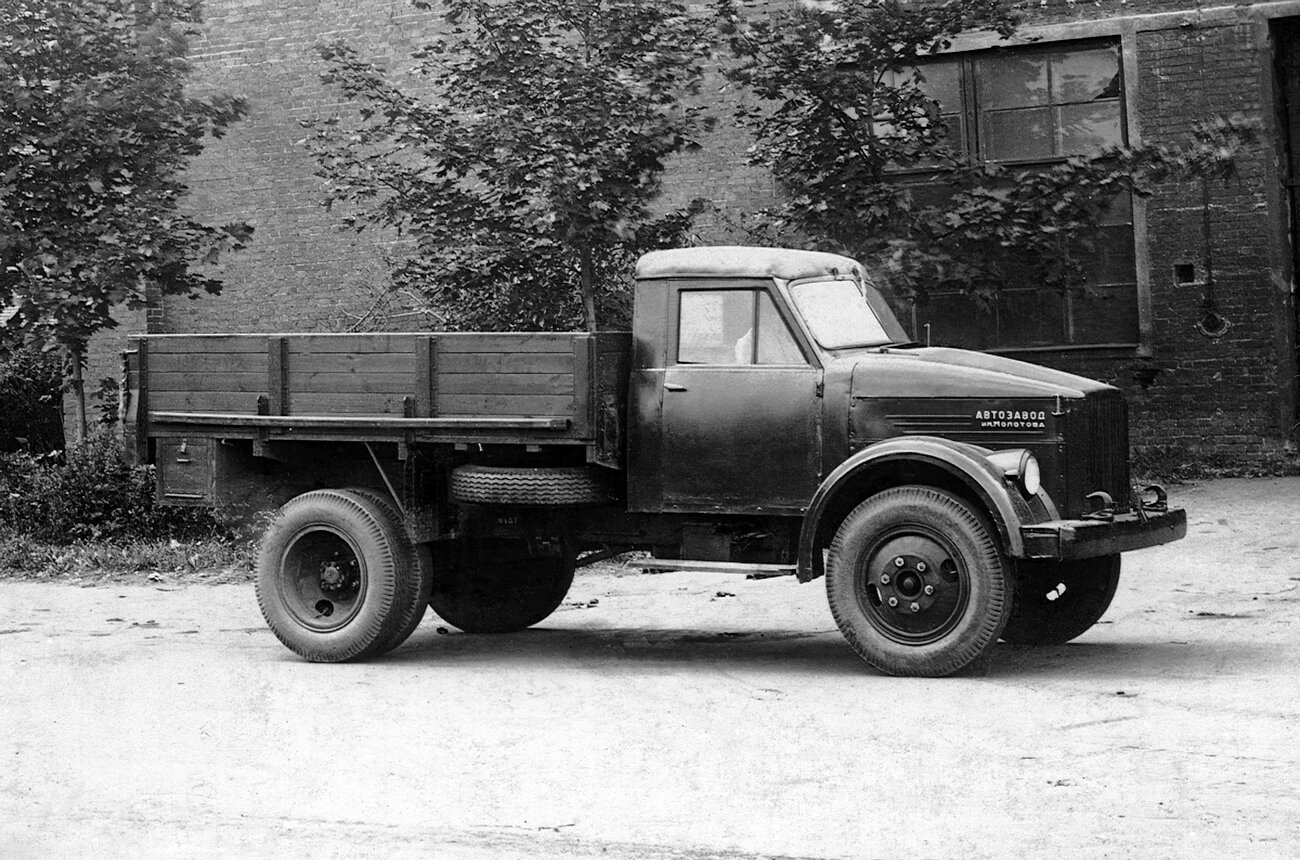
x=755 y=571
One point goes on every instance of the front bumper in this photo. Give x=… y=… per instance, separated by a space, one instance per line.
x=1069 y=539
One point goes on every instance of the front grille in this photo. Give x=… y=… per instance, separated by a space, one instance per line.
x=1098 y=449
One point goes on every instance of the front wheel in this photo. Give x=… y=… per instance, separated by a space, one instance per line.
x=917 y=582
x=1057 y=601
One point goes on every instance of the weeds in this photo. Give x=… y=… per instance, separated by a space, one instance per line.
x=91 y=515
x=94 y=493
x=216 y=561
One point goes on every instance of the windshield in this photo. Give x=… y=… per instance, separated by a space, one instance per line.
x=840 y=315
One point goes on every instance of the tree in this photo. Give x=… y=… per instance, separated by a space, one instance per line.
x=525 y=168
x=95 y=130
x=847 y=123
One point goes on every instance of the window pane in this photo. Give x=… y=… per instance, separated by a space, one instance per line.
x=838 y=314
x=925 y=194
x=956 y=319
x=1118 y=211
x=1031 y=318
x=1110 y=316
x=1082 y=76
x=941 y=81
x=1089 y=127
x=775 y=343
x=1111 y=259
x=1013 y=80
x=711 y=326
x=954 y=137
x=1017 y=134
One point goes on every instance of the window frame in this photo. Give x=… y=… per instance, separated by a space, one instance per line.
x=809 y=356
x=974 y=111
x=971 y=147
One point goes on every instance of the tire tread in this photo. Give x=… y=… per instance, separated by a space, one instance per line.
x=928 y=660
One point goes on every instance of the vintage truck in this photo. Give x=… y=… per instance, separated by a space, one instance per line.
x=767 y=414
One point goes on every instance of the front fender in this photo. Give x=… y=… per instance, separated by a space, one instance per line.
x=874 y=468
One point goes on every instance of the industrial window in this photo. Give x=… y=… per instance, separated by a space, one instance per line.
x=1022 y=108
x=718 y=327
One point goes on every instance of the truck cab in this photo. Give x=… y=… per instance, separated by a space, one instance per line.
x=767 y=415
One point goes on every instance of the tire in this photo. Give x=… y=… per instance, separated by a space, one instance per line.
x=952 y=593
x=1058 y=601
x=333 y=577
x=501 y=485
x=504 y=589
x=415 y=599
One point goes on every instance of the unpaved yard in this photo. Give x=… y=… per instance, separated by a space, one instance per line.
x=672 y=716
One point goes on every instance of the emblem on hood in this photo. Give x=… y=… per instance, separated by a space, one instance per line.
x=1007 y=419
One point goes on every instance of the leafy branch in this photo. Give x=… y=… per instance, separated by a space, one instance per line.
x=525 y=173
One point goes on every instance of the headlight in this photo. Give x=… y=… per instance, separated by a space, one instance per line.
x=1021 y=466
x=1030 y=477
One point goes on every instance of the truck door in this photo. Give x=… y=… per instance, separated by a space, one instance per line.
x=741 y=406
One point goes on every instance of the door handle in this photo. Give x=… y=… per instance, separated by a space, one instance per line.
x=673 y=386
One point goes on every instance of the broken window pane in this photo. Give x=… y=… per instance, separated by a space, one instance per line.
x=1082 y=76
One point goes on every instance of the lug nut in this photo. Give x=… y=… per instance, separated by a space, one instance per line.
x=929 y=589
x=920 y=567
x=916 y=607
x=898 y=562
x=884 y=579
x=893 y=601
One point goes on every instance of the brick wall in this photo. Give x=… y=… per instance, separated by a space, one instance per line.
x=1219 y=394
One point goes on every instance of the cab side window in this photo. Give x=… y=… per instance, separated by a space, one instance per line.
x=733 y=327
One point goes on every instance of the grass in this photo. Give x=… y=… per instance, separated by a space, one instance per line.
x=131 y=561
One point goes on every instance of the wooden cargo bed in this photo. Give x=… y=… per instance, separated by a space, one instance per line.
x=543 y=388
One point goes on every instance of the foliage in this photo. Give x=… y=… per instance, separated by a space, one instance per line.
x=215 y=560
x=525 y=171
x=30 y=386
x=843 y=112
x=94 y=494
x=95 y=129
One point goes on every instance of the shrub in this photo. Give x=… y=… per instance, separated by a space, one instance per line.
x=94 y=494
x=30 y=385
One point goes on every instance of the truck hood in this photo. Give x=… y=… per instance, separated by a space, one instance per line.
x=944 y=372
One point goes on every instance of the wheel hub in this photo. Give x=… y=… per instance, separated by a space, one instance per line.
x=336 y=574
x=324 y=582
x=912 y=590
x=911 y=580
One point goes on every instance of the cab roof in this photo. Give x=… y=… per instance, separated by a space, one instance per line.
x=735 y=261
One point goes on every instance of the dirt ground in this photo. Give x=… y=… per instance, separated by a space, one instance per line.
x=670 y=716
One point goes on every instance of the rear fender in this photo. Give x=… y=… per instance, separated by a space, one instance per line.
x=928 y=459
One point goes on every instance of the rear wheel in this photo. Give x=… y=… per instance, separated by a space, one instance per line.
x=504 y=586
x=917 y=582
x=333 y=579
x=1058 y=601
x=419 y=579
